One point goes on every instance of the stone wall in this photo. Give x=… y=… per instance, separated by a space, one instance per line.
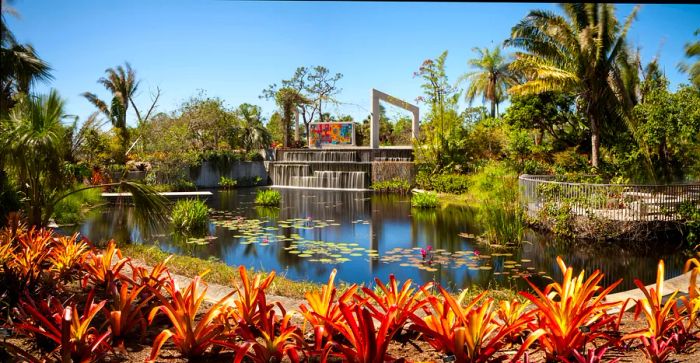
x=209 y=173
x=388 y=170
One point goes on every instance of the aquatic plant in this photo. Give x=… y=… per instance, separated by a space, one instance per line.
x=268 y=197
x=190 y=216
x=227 y=183
x=74 y=208
x=399 y=186
x=424 y=200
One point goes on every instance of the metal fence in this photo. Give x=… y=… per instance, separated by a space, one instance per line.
x=622 y=202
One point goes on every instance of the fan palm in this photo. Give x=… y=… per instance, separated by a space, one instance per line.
x=122 y=83
x=584 y=53
x=33 y=141
x=491 y=79
x=254 y=133
x=692 y=50
x=20 y=68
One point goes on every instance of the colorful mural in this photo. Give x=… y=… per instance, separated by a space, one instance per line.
x=332 y=133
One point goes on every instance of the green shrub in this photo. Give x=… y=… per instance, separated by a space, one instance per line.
x=268 y=197
x=690 y=213
x=75 y=207
x=183 y=185
x=425 y=200
x=190 y=216
x=227 y=183
x=443 y=183
x=392 y=186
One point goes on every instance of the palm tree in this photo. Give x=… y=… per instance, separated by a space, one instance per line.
x=33 y=144
x=584 y=53
x=254 y=134
x=692 y=50
x=20 y=68
x=491 y=79
x=288 y=99
x=122 y=83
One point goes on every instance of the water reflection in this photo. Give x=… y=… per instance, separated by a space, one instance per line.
x=387 y=224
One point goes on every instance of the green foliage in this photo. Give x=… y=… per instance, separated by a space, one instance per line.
x=9 y=198
x=399 y=186
x=268 y=197
x=183 y=185
x=425 y=200
x=496 y=193
x=443 y=183
x=74 y=207
x=692 y=51
x=227 y=183
x=190 y=216
x=690 y=213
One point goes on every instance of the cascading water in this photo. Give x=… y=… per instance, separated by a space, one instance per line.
x=325 y=169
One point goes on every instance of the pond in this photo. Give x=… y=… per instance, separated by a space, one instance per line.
x=365 y=235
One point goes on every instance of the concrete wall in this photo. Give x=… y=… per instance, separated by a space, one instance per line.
x=387 y=170
x=208 y=174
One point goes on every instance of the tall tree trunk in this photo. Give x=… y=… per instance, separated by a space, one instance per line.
x=595 y=141
x=493 y=109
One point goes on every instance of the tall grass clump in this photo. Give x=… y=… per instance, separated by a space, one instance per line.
x=75 y=207
x=268 y=197
x=496 y=193
x=425 y=200
x=190 y=216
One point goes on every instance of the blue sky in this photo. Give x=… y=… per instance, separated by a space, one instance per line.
x=234 y=50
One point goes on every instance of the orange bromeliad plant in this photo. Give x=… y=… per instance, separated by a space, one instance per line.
x=99 y=269
x=659 y=338
x=245 y=305
x=323 y=308
x=274 y=338
x=125 y=311
x=68 y=253
x=571 y=313
x=191 y=337
x=470 y=333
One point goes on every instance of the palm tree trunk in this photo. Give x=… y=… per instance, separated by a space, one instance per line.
x=595 y=141
x=493 y=109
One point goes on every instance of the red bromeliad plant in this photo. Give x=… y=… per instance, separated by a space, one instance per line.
x=405 y=300
x=571 y=313
x=688 y=313
x=126 y=311
x=323 y=308
x=362 y=343
x=659 y=338
x=273 y=339
x=245 y=309
x=191 y=337
x=99 y=268
x=155 y=279
x=470 y=333
x=75 y=338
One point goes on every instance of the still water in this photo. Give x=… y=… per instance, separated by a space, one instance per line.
x=365 y=235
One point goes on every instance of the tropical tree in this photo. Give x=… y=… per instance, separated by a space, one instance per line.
x=122 y=83
x=289 y=99
x=584 y=53
x=33 y=140
x=692 y=50
x=316 y=84
x=20 y=67
x=253 y=134
x=491 y=78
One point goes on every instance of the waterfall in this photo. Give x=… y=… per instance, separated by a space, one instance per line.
x=320 y=169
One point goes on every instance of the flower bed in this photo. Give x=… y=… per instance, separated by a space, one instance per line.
x=66 y=300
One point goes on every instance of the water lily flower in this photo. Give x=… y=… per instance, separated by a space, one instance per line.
x=423 y=253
